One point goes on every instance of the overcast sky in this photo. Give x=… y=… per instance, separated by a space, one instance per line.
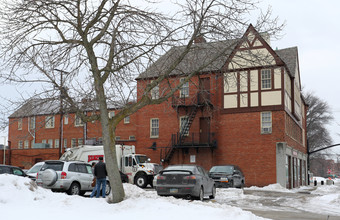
x=314 y=27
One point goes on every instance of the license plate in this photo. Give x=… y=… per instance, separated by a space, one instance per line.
x=173 y=190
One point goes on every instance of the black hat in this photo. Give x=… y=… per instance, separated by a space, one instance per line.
x=100 y=158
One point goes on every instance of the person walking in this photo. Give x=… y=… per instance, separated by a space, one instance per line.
x=100 y=173
x=95 y=186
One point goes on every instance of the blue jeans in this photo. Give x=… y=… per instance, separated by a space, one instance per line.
x=101 y=182
x=94 y=191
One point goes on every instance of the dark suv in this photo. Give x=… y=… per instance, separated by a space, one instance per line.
x=72 y=177
x=227 y=176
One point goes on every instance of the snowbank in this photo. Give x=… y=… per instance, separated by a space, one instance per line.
x=18 y=193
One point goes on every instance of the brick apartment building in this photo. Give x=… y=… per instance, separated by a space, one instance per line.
x=244 y=108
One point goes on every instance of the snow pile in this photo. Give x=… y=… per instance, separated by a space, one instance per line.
x=18 y=193
x=272 y=187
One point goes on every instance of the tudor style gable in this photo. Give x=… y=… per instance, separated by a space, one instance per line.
x=253 y=78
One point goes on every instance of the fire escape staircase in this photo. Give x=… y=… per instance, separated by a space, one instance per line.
x=184 y=130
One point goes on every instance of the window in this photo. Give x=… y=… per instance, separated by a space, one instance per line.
x=56 y=143
x=184 y=120
x=32 y=143
x=127 y=120
x=78 y=122
x=43 y=141
x=20 y=124
x=49 y=122
x=184 y=90
x=266 y=82
x=132 y=138
x=80 y=141
x=65 y=119
x=50 y=142
x=117 y=138
x=154 y=128
x=266 y=122
x=111 y=114
x=73 y=142
x=31 y=123
x=65 y=143
x=20 y=145
x=155 y=92
x=26 y=143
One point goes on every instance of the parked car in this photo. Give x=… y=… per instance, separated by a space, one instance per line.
x=72 y=177
x=12 y=170
x=186 y=181
x=32 y=172
x=227 y=176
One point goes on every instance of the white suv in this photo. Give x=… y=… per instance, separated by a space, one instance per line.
x=72 y=177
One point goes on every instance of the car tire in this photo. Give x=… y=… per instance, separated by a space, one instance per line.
x=201 y=195
x=141 y=180
x=74 y=189
x=213 y=193
x=107 y=188
x=49 y=177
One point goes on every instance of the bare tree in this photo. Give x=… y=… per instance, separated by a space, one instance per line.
x=318 y=117
x=95 y=49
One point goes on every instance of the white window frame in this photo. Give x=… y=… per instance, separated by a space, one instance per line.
x=184 y=90
x=155 y=92
x=182 y=119
x=154 y=127
x=111 y=114
x=266 y=122
x=44 y=141
x=31 y=123
x=78 y=122
x=56 y=143
x=26 y=144
x=65 y=143
x=20 y=144
x=127 y=120
x=80 y=141
x=49 y=121
x=117 y=138
x=20 y=124
x=50 y=142
x=132 y=137
x=66 y=119
x=73 y=142
x=266 y=79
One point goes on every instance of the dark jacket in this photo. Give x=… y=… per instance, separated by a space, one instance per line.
x=100 y=170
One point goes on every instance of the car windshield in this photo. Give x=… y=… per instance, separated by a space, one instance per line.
x=57 y=166
x=141 y=159
x=34 y=169
x=222 y=169
x=190 y=168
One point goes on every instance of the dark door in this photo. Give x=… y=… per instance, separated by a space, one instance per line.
x=204 y=95
x=204 y=130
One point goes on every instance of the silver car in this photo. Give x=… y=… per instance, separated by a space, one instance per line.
x=187 y=181
x=72 y=177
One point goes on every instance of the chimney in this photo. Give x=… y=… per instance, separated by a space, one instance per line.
x=199 y=39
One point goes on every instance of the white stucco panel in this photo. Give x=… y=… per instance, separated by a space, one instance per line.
x=254 y=80
x=243 y=81
x=277 y=78
x=251 y=58
x=244 y=100
x=230 y=82
x=230 y=101
x=271 y=98
x=254 y=99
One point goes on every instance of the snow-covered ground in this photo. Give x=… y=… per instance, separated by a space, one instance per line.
x=22 y=199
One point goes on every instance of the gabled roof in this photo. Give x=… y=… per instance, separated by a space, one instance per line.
x=199 y=55
x=204 y=53
x=289 y=57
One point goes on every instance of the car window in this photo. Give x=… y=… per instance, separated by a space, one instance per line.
x=201 y=171
x=54 y=166
x=18 y=172
x=81 y=168
x=222 y=169
x=35 y=168
x=72 y=167
x=89 y=169
x=5 y=170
